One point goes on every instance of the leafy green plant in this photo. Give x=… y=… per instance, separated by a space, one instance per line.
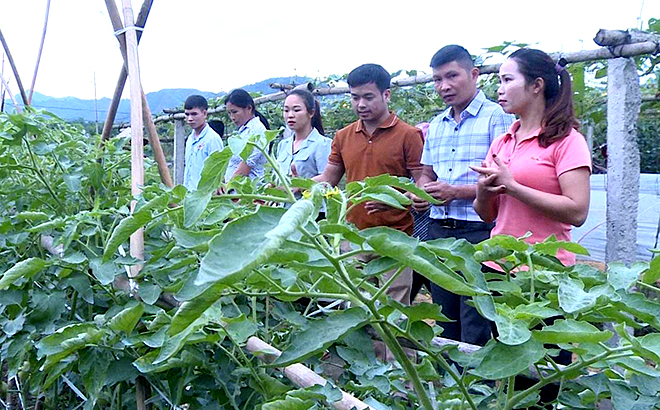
x=221 y=269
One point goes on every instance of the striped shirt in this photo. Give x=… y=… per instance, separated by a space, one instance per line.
x=452 y=147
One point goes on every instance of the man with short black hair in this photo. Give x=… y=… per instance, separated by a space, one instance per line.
x=457 y=138
x=377 y=143
x=201 y=142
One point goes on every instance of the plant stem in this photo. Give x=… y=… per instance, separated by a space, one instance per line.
x=510 y=389
x=74 y=303
x=406 y=364
x=532 y=291
x=517 y=398
x=278 y=172
x=443 y=363
x=387 y=284
x=40 y=174
x=648 y=286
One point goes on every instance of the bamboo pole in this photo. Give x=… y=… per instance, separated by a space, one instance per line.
x=2 y=84
x=137 y=154
x=13 y=68
x=11 y=96
x=300 y=375
x=123 y=74
x=137 y=157
x=626 y=50
x=152 y=135
x=41 y=48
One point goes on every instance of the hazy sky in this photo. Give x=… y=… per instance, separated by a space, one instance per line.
x=217 y=45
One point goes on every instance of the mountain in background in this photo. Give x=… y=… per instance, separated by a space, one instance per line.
x=72 y=108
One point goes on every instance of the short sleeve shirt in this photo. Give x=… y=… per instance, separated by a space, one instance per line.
x=394 y=148
x=311 y=157
x=539 y=168
x=198 y=148
x=452 y=147
x=256 y=161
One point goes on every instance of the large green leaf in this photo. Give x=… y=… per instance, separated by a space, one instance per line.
x=65 y=341
x=289 y=403
x=571 y=331
x=572 y=297
x=240 y=329
x=512 y=331
x=104 y=272
x=132 y=223
x=399 y=246
x=459 y=255
x=26 y=268
x=175 y=343
x=651 y=343
x=320 y=334
x=214 y=170
x=127 y=318
x=247 y=242
x=191 y=310
x=195 y=240
x=622 y=277
x=380 y=197
x=424 y=311
x=652 y=275
x=124 y=230
x=194 y=205
x=503 y=361
x=347 y=232
x=145 y=363
x=402 y=183
x=640 y=306
x=550 y=247
x=597 y=383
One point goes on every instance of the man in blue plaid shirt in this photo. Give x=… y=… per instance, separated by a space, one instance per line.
x=457 y=138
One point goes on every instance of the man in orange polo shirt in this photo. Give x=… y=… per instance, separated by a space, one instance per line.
x=377 y=143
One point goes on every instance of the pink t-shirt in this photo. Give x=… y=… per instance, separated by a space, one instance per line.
x=536 y=167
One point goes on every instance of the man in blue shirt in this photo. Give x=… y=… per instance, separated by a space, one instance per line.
x=201 y=142
x=457 y=138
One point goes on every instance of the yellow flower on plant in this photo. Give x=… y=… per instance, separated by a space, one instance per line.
x=332 y=192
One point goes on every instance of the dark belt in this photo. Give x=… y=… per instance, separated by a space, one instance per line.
x=449 y=223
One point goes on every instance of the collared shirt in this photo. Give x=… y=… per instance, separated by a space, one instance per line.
x=311 y=157
x=539 y=168
x=451 y=148
x=394 y=148
x=198 y=148
x=256 y=161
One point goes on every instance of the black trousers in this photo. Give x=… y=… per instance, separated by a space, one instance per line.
x=468 y=326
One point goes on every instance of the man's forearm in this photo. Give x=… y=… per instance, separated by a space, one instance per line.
x=465 y=191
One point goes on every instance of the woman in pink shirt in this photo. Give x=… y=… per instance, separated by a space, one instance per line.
x=536 y=176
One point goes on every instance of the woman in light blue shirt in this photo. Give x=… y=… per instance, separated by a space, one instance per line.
x=243 y=113
x=305 y=153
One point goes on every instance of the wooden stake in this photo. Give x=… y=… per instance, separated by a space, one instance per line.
x=41 y=48
x=6 y=88
x=154 y=141
x=123 y=75
x=137 y=154
x=13 y=68
x=300 y=375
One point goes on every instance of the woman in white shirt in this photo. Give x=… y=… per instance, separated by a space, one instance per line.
x=244 y=115
x=304 y=153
